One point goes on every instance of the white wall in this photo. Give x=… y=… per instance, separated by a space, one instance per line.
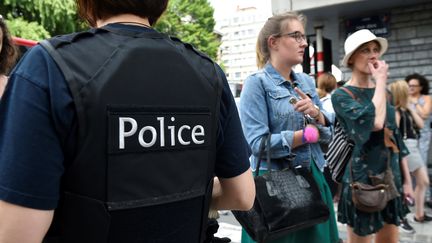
x=280 y=6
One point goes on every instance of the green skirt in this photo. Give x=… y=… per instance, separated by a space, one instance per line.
x=326 y=232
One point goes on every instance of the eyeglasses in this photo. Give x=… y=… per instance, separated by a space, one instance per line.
x=297 y=35
x=413 y=85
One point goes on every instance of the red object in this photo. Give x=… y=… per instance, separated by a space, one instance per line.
x=24 y=42
x=320 y=61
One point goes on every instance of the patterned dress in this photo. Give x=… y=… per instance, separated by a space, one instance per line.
x=369 y=157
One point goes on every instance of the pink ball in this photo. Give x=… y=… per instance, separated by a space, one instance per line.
x=310 y=134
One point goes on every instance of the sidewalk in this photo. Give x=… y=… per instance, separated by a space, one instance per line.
x=423 y=231
x=229 y=227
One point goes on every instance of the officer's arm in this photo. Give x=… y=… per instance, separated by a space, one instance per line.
x=21 y=224
x=237 y=193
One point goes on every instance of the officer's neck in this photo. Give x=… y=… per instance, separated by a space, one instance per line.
x=123 y=18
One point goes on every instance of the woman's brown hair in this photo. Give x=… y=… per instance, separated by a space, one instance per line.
x=326 y=84
x=272 y=27
x=9 y=52
x=93 y=10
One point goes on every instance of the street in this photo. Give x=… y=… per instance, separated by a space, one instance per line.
x=229 y=227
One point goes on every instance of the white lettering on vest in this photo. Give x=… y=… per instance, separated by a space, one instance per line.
x=179 y=135
x=122 y=133
x=162 y=131
x=141 y=136
x=197 y=133
x=171 y=128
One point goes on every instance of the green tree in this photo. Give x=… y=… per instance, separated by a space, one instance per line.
x=27 y=30
x=34 y=18
x=192 y=21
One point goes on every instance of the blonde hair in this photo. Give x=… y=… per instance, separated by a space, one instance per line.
x=326 y=84
x=399 y=90
x=273 y=26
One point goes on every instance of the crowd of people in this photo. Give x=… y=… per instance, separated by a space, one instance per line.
x=80 y=141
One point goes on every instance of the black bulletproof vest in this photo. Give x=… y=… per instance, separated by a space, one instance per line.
x=147 y=110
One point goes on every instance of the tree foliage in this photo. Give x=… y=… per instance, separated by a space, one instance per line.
x=33 y=19
x=28 y=30
x=190 y=20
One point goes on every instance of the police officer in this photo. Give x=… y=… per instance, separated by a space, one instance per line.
x=116 y=134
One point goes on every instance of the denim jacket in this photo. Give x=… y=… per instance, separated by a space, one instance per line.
x=265 y=108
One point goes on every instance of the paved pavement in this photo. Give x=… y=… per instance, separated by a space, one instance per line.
x=229 y=227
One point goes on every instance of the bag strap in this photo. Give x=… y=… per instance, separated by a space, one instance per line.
x=389 y=144
x=388 y=165
x=354 y=97
x=348 y=91
x=265 y=142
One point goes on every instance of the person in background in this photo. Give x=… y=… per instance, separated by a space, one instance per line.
x=326 y=84
x=365 y=118
x=265 y=108
x=8 y=54
x=420 y=101
x=409 y=123
x=108 y=146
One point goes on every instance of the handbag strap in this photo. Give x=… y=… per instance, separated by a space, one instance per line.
x=390 y=146
x=348 y=91
x=265 y=142
x=354 y=98
x=388 y=165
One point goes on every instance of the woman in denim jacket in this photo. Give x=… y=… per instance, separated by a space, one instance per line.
x=278 y=101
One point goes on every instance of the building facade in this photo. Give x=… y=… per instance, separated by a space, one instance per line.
x=237 y=51
x=406 y=24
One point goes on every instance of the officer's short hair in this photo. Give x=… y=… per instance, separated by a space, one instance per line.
x=92 y=10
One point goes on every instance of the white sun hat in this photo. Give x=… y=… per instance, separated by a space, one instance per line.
x=357 y=39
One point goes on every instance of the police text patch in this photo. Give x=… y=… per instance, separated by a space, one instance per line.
x=145 y=129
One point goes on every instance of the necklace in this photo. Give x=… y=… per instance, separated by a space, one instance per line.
x=133 y=23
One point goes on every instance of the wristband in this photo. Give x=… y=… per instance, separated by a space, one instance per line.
x=310 y=134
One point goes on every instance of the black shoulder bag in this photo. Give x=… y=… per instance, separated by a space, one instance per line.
x=286 y=201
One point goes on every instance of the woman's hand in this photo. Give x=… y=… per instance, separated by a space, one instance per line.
x=306 y=105
x=379 y=70
x=408 y=193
